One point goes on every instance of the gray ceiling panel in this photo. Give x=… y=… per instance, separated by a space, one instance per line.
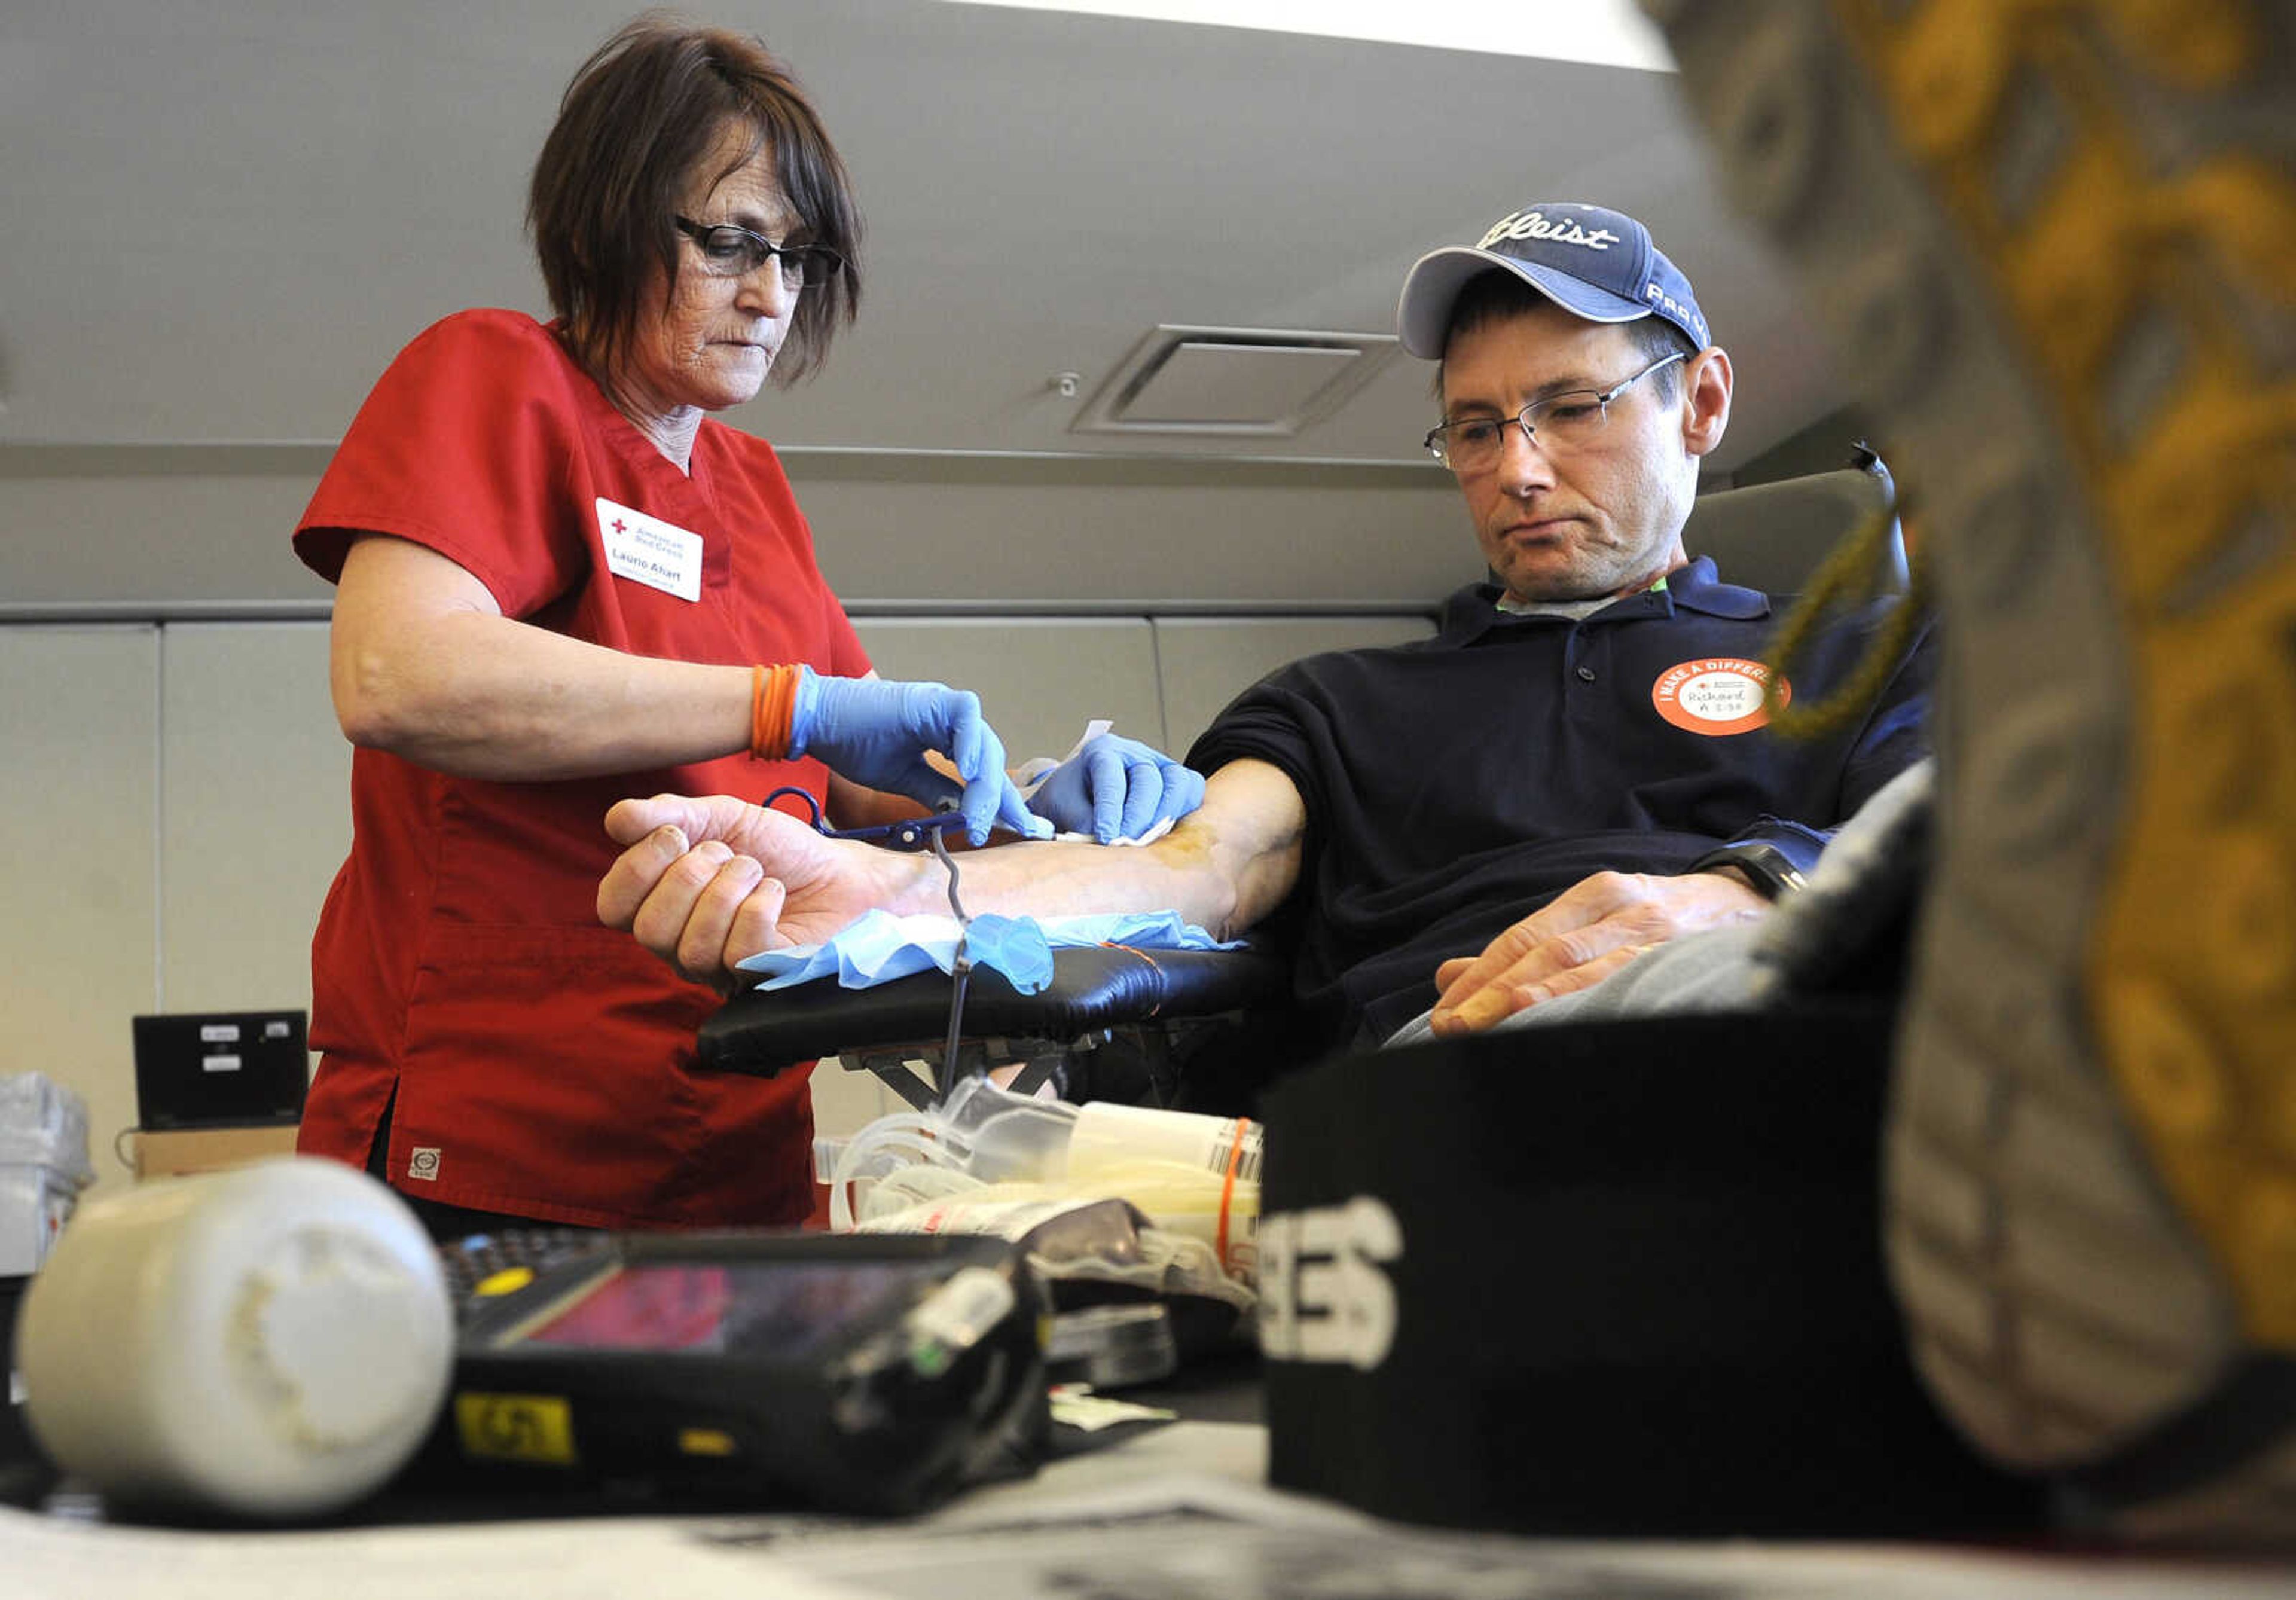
x=223 y=219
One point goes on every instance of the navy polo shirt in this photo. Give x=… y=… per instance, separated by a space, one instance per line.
x=1455 y=784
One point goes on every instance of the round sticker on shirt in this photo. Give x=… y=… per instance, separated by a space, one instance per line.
x=1719 y=695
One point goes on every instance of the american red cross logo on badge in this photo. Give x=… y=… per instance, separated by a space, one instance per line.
x=1716 y=695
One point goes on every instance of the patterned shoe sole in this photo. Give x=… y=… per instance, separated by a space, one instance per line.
x=2055 y=245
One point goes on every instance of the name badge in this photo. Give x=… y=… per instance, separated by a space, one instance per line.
x=1718 y=697
x=647 y=550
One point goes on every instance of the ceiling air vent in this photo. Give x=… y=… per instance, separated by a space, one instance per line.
x=1248 y=383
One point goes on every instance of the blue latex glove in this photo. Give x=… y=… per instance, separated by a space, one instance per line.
x=876 y=732
x=1117 y=788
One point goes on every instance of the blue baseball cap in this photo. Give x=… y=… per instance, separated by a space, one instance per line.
x=1592 y=261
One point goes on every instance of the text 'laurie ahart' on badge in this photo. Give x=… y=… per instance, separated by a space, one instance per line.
x=647 y=550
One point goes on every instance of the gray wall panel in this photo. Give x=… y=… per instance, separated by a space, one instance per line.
x=1162 y=541
x=79 y=712
x=1208 y=662
x=257 y=781
x=208 y=805
x=1039 y=679
x=146 y=528
x=155 y=527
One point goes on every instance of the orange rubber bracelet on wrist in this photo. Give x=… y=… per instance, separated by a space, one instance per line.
x=773 y=697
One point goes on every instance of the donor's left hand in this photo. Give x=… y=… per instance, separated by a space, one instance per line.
x=1581 y=937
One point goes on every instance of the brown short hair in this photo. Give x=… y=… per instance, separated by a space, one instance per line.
x=637 y=119
x=1497 y=296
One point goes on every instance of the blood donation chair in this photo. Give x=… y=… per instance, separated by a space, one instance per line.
x=1197 y=1028
x=1113 y=1023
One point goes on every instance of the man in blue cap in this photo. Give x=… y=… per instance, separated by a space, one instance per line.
x=1564 y=512
x=1570 y=772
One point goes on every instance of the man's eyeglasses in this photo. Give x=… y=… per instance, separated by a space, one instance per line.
x=1561 y=422
x=728 y=251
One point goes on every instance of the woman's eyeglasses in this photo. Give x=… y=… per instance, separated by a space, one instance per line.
x=728 y=251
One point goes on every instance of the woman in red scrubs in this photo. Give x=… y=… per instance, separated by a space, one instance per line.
x=560 y=583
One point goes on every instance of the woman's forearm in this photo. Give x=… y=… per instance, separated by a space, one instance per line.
x=424 y=664
x=485 y=697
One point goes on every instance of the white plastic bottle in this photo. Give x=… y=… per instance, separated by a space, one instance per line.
x=272 y=1342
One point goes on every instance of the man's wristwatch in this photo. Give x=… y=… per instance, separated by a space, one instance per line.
x=1771 y=870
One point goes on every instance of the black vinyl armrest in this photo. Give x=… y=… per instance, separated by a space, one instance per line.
x=1101 y=987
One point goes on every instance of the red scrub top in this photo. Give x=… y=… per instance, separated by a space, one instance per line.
x=544 y=1064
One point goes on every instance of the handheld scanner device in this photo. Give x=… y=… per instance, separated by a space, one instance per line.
x=876 y=1374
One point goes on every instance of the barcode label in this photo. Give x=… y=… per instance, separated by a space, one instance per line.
x=1254 y=1140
